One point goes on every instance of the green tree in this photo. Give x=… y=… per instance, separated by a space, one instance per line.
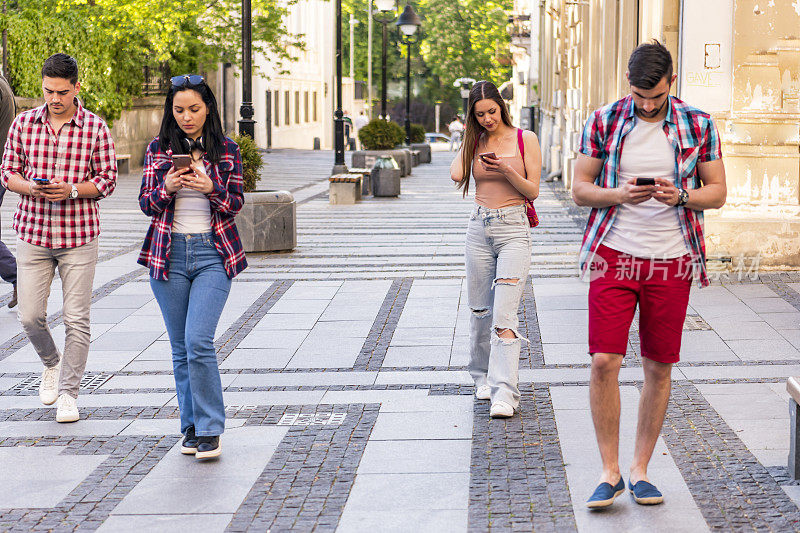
x=113 y=40
x=466 y=38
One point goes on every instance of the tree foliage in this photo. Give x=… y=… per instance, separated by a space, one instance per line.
x=113 y=40
x=467 y=38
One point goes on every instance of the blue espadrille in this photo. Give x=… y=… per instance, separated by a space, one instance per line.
x=605 y=493
x=645 y=493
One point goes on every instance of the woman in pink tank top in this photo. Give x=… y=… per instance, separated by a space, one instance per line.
x=506 y=163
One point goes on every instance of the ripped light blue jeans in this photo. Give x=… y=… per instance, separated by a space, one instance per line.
x=498 y=257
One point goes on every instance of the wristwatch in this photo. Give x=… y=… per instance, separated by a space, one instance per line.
x=683 y=197
x=73 y=193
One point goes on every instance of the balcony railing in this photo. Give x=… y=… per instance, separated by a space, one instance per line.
x=156 y=80
x=519 y=28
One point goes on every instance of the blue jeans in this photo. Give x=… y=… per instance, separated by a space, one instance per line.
x=191 y=302
x=498 y=258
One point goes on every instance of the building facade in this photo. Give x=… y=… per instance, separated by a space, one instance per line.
x=736 y=59
x=295 y=109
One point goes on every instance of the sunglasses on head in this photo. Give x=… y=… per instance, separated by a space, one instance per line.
x=187 y=79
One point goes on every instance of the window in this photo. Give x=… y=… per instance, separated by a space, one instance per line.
x=314 y=105
x=276 y=111
x=297 y=107
x=305 y=101
x=286 y=118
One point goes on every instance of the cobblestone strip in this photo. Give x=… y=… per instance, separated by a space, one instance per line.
x=518 y=481
x=373 y=352
x=236 y=333
x=306 y=483
x=532 y=354
x=780 y=284
x=91 y=502
x=21 y=339
x=732 y=489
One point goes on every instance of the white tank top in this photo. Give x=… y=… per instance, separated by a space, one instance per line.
x=650 y=229
x=192 y=212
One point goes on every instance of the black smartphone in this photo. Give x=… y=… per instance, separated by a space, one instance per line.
x=41 y=181
x=490 y=155
x=645 y=181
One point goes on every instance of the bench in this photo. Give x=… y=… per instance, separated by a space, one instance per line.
x=366 y=182
x=345 y=189
x=793 y=388
x=123 y=163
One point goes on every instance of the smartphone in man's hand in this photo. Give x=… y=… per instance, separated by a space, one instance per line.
x=645 y=181
x=41 y=181
x=181 y=161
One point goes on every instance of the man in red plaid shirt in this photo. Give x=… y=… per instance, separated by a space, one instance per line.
x=60 y=159
x=649 y=165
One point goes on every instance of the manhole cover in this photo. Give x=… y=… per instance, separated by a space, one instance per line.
x=91 y=381
x=309 y=419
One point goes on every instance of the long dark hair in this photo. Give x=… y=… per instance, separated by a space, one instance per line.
x=171 y=135
x=482 y=90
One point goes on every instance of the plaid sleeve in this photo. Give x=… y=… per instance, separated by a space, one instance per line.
x=711 y=149
x=13 y=154
x=153 y=196
x=229 y=199
x=591 y=143
x=104 y=163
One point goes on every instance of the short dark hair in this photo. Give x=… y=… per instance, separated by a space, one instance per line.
x=649 y=64
x=61 y=66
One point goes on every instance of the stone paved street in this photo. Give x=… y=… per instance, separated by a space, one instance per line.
x=349 y=404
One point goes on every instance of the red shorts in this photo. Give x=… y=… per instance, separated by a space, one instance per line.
x=660 y=287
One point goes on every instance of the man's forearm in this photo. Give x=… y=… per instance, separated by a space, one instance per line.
x=710 y=196
x=590 y=195
x=18 y=185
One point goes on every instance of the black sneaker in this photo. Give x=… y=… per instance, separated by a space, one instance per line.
x=208 y=447
x=189 y=444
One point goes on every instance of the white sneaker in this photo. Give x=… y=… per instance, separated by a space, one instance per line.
x=48 y=388
x=484 y=392
x=501 y=410
x=67 y=409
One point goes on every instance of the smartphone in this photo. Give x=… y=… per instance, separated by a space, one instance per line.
x=645 y=181
x=41 y=181
x=180 y=161
x=490 y=155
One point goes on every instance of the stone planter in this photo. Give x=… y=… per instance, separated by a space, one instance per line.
x=367 y=158
x=385 y=182
x=424 y=152
x=268 y=221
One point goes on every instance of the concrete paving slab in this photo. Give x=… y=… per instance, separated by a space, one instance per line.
x=217 y=486
x=405 y=492
x=582 y=461
x=402 y=356
x=207 y=522
x=401 y=521
x=422 y=426
x=27 y=485
x=416 y=457
x=305 y=379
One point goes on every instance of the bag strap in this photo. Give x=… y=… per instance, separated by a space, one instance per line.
x=520 y=143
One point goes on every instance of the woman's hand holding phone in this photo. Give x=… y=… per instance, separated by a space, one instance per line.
x=491 y=162
x=173 y=181
x=198 y=180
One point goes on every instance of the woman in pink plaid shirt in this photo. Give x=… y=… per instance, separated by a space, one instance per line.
x=192 y=188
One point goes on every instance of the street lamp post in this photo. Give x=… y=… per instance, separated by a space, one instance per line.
x=384 y=15
x=247 y=126
x=408 y=23
x=465 y=85
x=339 y=166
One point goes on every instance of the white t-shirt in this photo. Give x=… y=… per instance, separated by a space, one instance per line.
x=192 y=212
x=650 y=229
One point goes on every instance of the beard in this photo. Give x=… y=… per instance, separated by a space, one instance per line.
x=650 y=114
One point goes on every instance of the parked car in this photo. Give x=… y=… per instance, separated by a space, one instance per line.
x=436 y=138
